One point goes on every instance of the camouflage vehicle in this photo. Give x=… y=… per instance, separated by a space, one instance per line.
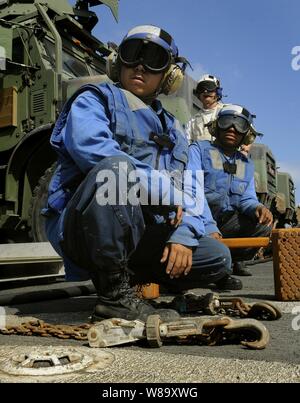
x=285 y=200
x=265 y=173
x=297 y=216
x=44 y=44
x=274 y=189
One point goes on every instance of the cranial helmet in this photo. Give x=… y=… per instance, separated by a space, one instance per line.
x=238 y=117
x=155 y=49
x=209 y=83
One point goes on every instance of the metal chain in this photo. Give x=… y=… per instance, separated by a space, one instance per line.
x=235 y=307
x=43 y=329
x=215 y=331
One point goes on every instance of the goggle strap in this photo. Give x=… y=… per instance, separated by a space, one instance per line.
x=184 y=62
x=246 y=113
x=166 y=37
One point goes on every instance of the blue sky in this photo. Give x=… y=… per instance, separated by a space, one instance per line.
x=247 y=44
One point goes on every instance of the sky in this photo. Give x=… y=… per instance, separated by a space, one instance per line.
x=254 y=47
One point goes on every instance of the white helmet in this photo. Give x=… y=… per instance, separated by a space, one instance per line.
x=208 y=77
x=237 y=111
x=209 y=83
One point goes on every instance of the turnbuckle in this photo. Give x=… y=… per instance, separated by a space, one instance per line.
x=209 y=330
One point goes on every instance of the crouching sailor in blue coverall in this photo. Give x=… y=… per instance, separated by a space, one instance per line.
x=229 y=182
x=106 y=134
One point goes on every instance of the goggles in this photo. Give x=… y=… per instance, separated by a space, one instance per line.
x=152 y=56
x=240 y=124
x=206 y=86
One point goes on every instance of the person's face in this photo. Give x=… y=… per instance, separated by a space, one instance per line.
x=139 y=81
x=208 y=99
x=230 y=138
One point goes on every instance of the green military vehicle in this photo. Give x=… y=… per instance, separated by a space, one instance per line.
x=265 y=173
x=274 y=189
x=297 y=216
x=44 y=45
x=285 y=200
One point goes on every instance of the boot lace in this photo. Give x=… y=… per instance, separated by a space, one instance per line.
x=131 y=292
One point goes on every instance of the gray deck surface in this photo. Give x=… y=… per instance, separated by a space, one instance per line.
x=279 y=362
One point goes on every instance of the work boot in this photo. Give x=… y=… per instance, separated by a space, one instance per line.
x=229 y=283
x=118 y=300
x=239 y=269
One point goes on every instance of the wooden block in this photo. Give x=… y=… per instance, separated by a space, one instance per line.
x=286 y=261
x=148 y=291
x=240 y=243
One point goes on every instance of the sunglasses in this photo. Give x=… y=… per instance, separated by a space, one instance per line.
x=152 y=56
x=240 y=124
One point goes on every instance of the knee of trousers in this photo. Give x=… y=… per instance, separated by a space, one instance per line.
x=224 y=256
x=213 y=255
x=113 y=174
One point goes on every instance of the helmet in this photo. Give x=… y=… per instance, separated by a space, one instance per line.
x=237 y=116
x=155 y=49
x=209 y=83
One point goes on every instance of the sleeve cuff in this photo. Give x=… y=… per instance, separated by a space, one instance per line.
x=211 y=228
x=183 y=236
x=250 y=211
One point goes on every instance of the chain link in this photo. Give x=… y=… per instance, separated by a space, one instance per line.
x=43 y=329
x=234 y=307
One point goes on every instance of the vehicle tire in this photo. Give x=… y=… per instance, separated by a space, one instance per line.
x=38 y=202
x=37 y=221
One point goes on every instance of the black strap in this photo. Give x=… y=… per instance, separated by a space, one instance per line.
x=162 y=140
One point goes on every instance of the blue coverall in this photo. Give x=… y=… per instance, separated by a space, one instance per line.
x=231 y=197
x=100 y=127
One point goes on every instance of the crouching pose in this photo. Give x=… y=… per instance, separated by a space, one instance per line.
x=229 y=182
x=108 y=213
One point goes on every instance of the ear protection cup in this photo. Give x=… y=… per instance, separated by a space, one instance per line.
x=249 y=138
x=112 y=66
x=212 y=127
x=219 y=93
x=172 y=80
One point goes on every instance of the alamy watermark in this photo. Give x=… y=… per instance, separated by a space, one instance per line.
x=2 y=58
x=296 y=320
x=296 y=58
x=125 y=186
